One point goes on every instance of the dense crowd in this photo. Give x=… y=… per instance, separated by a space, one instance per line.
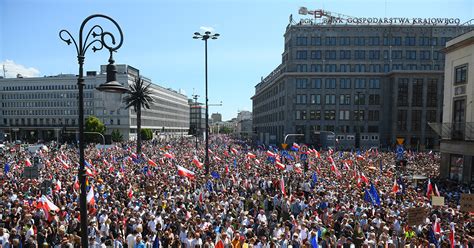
x=252 y=197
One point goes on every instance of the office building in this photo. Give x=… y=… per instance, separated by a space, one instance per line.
x=244 y=125
x=46 y=108
x=356 y=77
x=197 y=118
x=457 y=127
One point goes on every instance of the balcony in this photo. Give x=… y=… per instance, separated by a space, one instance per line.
x=454 y=130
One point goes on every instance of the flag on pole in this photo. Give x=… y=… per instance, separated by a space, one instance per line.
x=270 y=154
x=48 y=205
x=429 y=189
x=196 y=162
x=90 y=196
x=437 y=226
x=169 y=155
x=151 y=162
x=251 y=155
x=185 y=172
x=436 y=192
x=451 y=235
x=374 y=195
x=130 y=192
x=215 y=175
x=280 y=166
x=395 y=187
x=233 y=150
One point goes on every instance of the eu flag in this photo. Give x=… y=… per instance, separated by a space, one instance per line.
x=215 y=175
x=6 y=169
x=374 y=195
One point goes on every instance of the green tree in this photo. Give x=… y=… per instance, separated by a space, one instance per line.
x=138 y=97
x=225 y=130
x=146 y=134
x=116 y=136
x=93 y=125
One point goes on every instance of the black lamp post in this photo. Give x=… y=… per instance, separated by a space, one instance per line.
x=97 y=36
x=205 y=37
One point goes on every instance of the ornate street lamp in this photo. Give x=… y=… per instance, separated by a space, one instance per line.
x=97 y=36
x=205 y=37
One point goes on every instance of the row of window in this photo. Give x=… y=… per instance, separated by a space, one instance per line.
x=417 y=85
x=369 y=54
x=36 y=96
x=28 y=112
x=45 y=121
x=371 y=41
x=341 y=128
x=330 y=83
x=352 y=137
x=330 y=99
x=365 y=68
x=344 y=115
x=46 y=87
x=43 y=104
x=416 y=119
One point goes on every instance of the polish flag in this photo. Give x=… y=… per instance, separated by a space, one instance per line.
x=64 y=164
x=395 y=187
x=169 y=155
x=257 y=161
x=364 y=178
x=63 y=156
x=48 y=205
x=89 y=172
x=298 y=168
x=233 y=150
x=335 y=170
x=360 y=157
x=251 y=155
x=436 y=192
x=226 y=153
x=209 y=150
x=437 y=226
x=201 y=197
x=226 y=169
x=346 y=165
x=185 y=172
x=76 y=185
x=282 y=186
x=152 y=163
x=197 y=163
x=58 y=186
x=270 y=154
x=280 y=165
x=27 y=162
x=219 y=244
x=429 y=189
x=451 y=235
x=331 y=160
x=130 y=192
x=90 y=197
x=217 y=159
x=295 y=145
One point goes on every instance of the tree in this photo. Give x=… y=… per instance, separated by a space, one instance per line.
x=116 y=136
x=226 y=130
x=93 y=125
x=138 y=97
x=146 y=134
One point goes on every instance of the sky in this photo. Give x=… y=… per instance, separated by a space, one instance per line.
x=158 y=38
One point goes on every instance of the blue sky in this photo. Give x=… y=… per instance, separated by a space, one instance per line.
x=158 y=38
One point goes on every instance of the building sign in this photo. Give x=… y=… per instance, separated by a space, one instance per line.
x=326 y=17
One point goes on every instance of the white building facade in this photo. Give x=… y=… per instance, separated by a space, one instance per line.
x=46 y=108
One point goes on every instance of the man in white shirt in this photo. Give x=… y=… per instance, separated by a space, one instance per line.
x=3 y=237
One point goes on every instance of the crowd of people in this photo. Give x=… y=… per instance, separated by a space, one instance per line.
x=251 y=197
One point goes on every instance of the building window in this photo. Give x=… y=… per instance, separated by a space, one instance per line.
x=432 y=93
x=359 y=115
x=425 y=55
x=301 y=41
x=330 y=54
x=374 y=41
x=396 y=41
x=374 y=54
x=374 y=99
x=344 y=115
x=302 y=55
x=330 y=99
x=330 y=83
x=416 y=120
x=345 y=83
x=316 y=83
x=460 y=74
x=410 y=41
x=397 y=54
x=315 y=115
x=359 y=83
x=315 y=99
x=359 y=41
x=359 y=99
x=417 y=96
x=301 y=83
x=301 y=99
x=344 y=41
x=359 y=54
x=316 y=68
x=410 y=54
x=330 y=115
x=344 y=67
x=316 y=54
x=359 y=68
x=302 y=68
x=344 y=99
x=345 y=54
x=315 y=41
x=331 y=41
x=401 y=120
x=374 y=115
x=374 y=83
x=330 y=68
x=402 y=97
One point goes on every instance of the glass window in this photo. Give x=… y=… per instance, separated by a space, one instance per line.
x=401 y=120
x=301 y=41
x=316 y=54
x=374 y=83
x=316 y=41
x=345 y=83
x=417 y=96
x=402 y=97
x=301 y=55
x=330 y=99
x=410 y=41
x=374 y=99
x=460 y=74
x=301 y=99
x=316 y=68
x=432 y=93
x=359 y=83
x=302 y=68
x=316 y=83
x=330 y=54
x=315 y=99
x=330 y=115
x=330 y=83
x=331 y=41
x=301 y=83
x=359 y=54
x=410 y=54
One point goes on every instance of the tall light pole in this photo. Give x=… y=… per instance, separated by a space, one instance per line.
x=205 y=37
x=97 y=36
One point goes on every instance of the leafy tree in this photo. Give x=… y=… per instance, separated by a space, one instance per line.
x=93 y=125
x=225 y=130
x=138 y=97
x=116 y=136
x=146 y=134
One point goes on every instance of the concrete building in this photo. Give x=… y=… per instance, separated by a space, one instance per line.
x=216 y=117
x=457 y=127
x=244 y=125
x=46 y=108
x=341 y=77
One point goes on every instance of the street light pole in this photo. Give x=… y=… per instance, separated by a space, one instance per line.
x=205 y=37
x=97 y=36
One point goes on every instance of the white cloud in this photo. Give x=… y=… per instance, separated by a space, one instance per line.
x=204 y=29
x=12 y=69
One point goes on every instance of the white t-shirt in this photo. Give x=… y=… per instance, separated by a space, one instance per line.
x=4 y=238
x=131 y=240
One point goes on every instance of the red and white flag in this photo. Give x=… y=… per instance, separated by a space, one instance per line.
x=233 y=150
x=436 y=192
x=151 y=162
x=48 y=205
x=395 y=187
x=279 y=165
x=451 y=235
x=76 y=185
x=185 y=172
x=226 y=169
x=169 y=155
x=297 y=168
x=437 y=226
x=27 y=162
x=270 y=154
x=196 y=162
x=282 y=186
x=130 y=192
x=57 y=187
x=296 y=146
x=429 y=189
x=251 y=155
x=335 y=170
x=90 y=196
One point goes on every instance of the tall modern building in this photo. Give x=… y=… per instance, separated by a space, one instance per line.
x=46 y=108
x=365 y=81
x=197 y=118
x=457 y=126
